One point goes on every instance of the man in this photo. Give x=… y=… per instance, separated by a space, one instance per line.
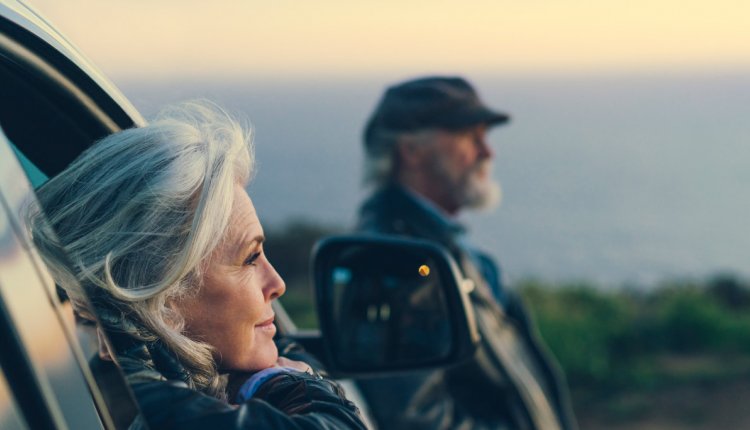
x=428 y=158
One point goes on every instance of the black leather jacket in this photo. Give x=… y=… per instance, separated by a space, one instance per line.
x=290 y=400
x=501 y=386
x=287 y=401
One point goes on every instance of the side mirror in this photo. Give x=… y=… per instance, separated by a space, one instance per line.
x=389 y=304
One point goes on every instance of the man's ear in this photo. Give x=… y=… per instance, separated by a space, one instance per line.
x=410 y=153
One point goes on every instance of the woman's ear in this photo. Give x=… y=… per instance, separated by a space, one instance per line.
x=104 y=350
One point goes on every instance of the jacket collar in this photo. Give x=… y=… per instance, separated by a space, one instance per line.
x=405 y=212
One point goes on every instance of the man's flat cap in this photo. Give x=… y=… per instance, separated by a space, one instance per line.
x=449 y=103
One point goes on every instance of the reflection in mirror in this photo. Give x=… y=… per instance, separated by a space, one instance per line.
x=389 y=308
x=390 y=304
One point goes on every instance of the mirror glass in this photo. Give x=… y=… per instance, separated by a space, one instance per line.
x=387 y=308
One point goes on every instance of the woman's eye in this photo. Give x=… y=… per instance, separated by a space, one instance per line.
x=252 y=258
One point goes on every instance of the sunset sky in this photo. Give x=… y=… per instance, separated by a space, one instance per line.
x=155 y=39
x=626 y=158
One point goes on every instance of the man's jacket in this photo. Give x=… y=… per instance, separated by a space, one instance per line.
x=512 y=382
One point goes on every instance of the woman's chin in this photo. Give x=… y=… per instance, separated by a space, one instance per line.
x=264 y=356
x=260 y=357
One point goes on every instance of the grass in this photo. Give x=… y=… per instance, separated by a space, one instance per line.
x=678 y=332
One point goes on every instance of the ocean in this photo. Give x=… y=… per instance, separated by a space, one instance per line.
x=616 y=180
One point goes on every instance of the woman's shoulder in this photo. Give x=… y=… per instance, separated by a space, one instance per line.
x=287 y=400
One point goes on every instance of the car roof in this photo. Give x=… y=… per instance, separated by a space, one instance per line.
x=25 y=17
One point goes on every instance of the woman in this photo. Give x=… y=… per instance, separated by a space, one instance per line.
x=162 y=243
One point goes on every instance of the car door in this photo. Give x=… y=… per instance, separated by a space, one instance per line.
x=46 y=381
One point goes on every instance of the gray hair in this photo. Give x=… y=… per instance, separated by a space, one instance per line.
x=381 y=153
x=138 y=214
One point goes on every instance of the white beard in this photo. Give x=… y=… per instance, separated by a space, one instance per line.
x=483 y=194
x=478 y=190
x=475 y=189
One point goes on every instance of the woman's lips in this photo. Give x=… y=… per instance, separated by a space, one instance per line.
x=267 y=325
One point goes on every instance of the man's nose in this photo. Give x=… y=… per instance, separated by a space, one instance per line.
x=485 y=150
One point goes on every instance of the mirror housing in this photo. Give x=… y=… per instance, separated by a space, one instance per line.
x=388 y=304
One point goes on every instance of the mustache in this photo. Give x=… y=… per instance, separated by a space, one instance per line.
x=482 y=166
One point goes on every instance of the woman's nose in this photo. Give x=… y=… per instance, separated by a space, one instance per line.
x=275 y=287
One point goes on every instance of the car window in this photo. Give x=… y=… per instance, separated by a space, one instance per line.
x=35 y=176
x=53 y=105
x=39 y=121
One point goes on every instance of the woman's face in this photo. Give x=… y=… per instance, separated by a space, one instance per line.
x=232 y=309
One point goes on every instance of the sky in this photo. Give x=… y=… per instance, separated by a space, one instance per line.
x=647 y=97
x=139 y=39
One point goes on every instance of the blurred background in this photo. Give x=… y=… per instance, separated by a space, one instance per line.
x=624 y=169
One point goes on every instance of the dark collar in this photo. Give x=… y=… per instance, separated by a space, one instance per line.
x=394 y=209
